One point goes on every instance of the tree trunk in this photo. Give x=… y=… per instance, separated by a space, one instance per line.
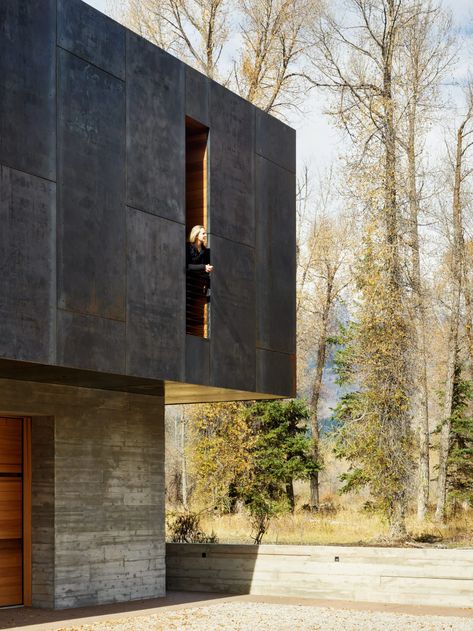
x=467 y=292
x=444 y=446
x=396 y=420
x=316 y=388
x=457 y=273
x=420 y=405
x=290 y=494
x=423 y=435
x=397 y=518
x=184 y=493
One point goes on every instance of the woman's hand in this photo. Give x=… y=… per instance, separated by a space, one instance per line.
x=209 y=268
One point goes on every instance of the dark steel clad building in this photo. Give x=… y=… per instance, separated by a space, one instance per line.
x=110 y=150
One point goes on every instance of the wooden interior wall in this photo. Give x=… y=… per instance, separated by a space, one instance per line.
x=196 y=214
x=196 y=174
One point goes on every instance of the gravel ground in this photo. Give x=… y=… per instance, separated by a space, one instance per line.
x=269 y=617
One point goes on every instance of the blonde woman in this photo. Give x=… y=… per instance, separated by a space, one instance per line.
x=198 y=270
x=198 y=255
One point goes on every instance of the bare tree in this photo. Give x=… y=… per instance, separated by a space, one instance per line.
x=257 y=47
x=268 y=71
x=427 y=53
x=359 y=51
x=194 y=30
x=178 y=486
x=325 y=245
x=463 y=144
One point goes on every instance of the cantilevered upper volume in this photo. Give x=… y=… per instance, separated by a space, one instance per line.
x=110 y=150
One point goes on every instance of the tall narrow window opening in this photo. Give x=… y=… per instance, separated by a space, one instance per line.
x=197 y=280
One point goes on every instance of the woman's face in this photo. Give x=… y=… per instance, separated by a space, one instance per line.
x=202 y=236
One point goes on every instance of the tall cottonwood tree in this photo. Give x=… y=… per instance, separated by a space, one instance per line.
x=358 y=61
x=426 y=54
x=461 y=171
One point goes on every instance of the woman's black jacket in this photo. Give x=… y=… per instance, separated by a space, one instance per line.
x=198 y=280
x=195 y=260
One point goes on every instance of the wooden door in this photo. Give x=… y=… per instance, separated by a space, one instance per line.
x=14 y=511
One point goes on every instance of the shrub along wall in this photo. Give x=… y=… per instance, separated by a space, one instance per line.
x=390 y=575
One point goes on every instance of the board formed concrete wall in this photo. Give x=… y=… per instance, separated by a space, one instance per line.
x=388 y=575
x=97 y=492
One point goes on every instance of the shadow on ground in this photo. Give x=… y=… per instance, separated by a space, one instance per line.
x=24 y=617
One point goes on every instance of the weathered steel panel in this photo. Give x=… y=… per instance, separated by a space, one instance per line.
x=197 y=96
x=232 y=176
x=155 y=130
x=275 y=373
x=91 y=190
x=156 y=297
x=78 y=377
x=28 y=264
x=197 y=360
x=232 y=318
x=275 y=257
x=90 y=342
x=275 y=141
x=120 y=147
x=91 y=35
x=28 y=86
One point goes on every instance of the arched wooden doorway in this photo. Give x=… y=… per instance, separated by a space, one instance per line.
x=15 y=511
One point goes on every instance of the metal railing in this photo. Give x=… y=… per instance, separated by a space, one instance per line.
x=197 y=303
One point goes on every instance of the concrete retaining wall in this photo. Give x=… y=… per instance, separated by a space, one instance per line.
x=388 y=575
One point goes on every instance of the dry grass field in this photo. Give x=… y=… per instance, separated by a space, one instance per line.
x=342 y=522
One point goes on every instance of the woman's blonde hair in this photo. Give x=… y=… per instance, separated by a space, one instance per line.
x=194 y=232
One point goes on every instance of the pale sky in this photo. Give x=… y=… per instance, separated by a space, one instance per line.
x=318 y=143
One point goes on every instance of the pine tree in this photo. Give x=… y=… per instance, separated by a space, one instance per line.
x=252 y=453
x=281 y=453
x=460 y=456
